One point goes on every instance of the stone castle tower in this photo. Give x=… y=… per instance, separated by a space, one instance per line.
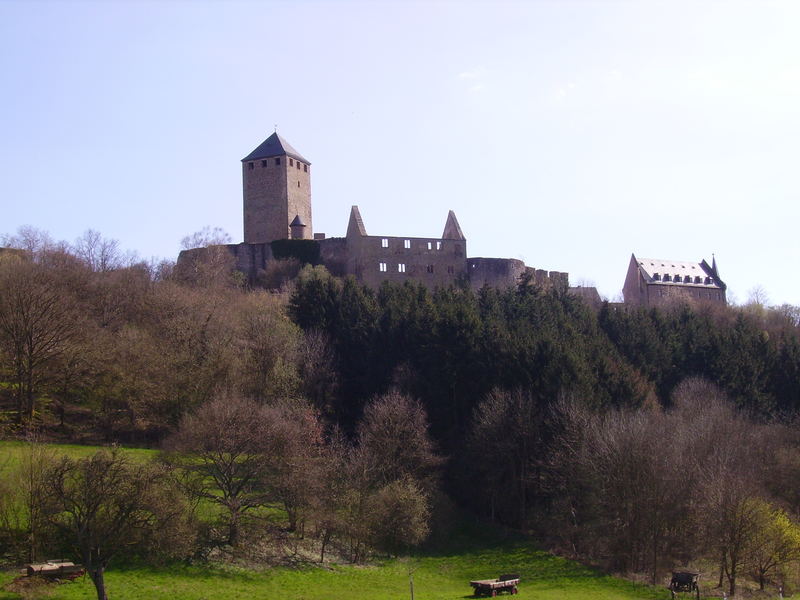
x=276 y=182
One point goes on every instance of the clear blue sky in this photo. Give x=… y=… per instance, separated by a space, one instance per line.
x=568 y=134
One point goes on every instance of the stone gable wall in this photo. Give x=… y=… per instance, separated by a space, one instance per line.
x=431 y=261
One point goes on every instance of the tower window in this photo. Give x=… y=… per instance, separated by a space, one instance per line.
x=250 y=166
x=438 y=245
x=451 y=269
x=430 y=245
x=305 y=168
x=407 y=244
x=298 y=184
x=382 y=267
x=277 y=161
x=429 y=268
x=263 y=164
x=401 y=267
x=384 y=243
x=298 y=166
x=291 y=162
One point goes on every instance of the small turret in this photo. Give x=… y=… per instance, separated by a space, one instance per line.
x=298 y=228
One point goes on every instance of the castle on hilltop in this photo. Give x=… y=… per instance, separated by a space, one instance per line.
x=278 y=224
x=277 y=206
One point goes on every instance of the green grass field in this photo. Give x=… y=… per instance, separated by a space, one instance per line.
x=444 y=577
x=471 y=553
x=12 y=453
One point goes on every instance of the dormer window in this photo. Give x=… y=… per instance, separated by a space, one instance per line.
x=698 y=279
x=666 y=277
x=708 y=281
x=656 y=277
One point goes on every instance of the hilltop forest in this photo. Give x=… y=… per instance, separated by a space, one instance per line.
x=638 y=439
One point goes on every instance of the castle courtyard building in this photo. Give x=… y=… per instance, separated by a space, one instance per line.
x=655 y=282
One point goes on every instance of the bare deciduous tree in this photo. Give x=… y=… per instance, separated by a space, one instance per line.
x=293 y=451
x=219 y=448
x=107 y=503
x=98 y=253
x=36 y=323
x=393 y=437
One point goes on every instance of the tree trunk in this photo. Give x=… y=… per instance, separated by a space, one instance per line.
x=325 y=538
x=29 y=395
x=99 y=582
x=233 y=531
x=732 y=581
x=291 y=515
x=655 y=559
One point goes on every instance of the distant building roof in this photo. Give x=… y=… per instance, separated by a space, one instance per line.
x=679 y=271
x=275 y=145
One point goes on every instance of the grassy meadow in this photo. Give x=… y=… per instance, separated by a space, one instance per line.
x=12 y=453
x=436 y=577
x=444 y=574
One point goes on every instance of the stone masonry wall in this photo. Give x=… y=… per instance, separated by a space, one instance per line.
x=333 y=254
x=508 y=272
x=275 y=190
x=433 y=262
x=494 y=272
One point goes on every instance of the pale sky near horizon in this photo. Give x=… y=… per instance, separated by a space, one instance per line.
x=568 y=134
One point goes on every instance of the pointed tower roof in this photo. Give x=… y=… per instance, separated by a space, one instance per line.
x=297 y=222
x=452 y=230
x=356 y=226
x=275 y=145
